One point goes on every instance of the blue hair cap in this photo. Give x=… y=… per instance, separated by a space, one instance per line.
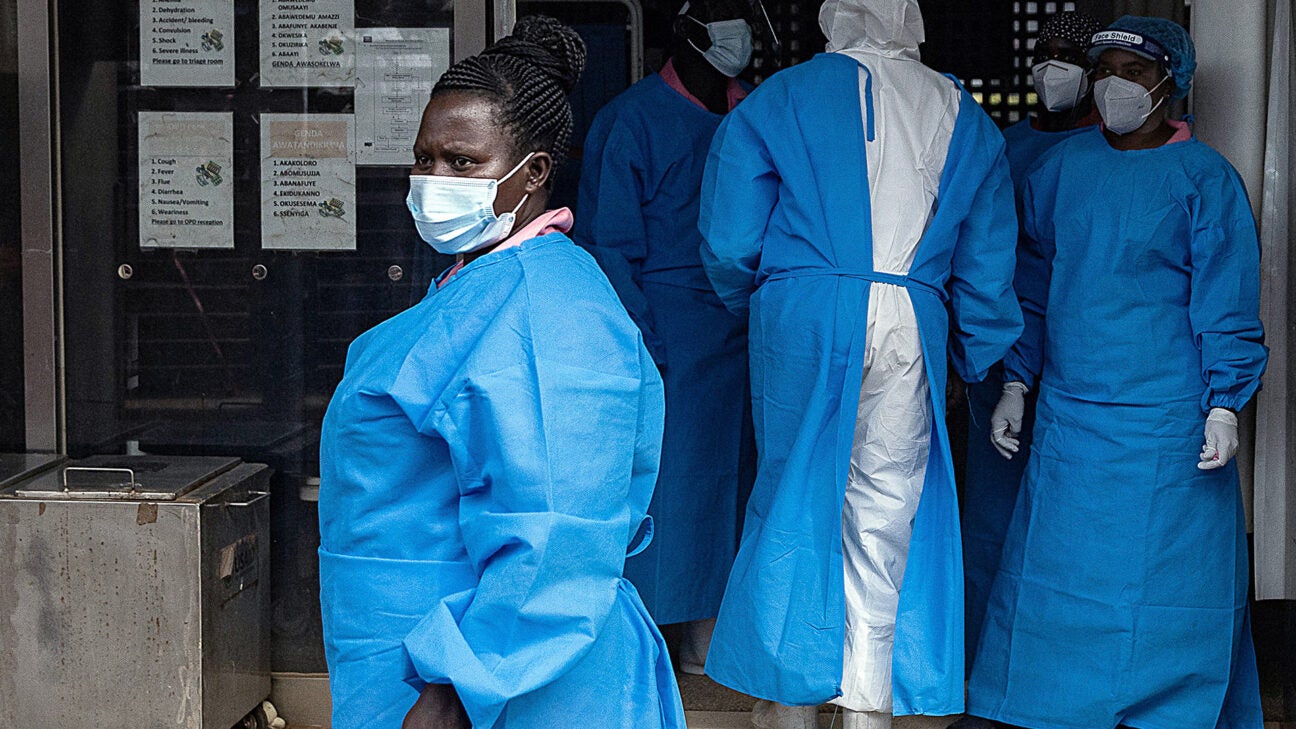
x=1158 y=39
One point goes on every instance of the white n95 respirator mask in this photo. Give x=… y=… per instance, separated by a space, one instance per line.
x=1124 y=105
x=731 y=45
x=457 y=214
x=1060 y=85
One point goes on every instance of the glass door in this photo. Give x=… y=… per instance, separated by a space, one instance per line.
x=233 y=176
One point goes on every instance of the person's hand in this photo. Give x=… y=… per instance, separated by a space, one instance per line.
x=1221 y=439
x=438 y=707
x=1006 y=421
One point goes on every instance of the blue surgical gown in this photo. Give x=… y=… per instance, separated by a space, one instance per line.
x=486 y=463
x=644 y=157
x=786 y=220
x=1121 y=596
x=990 y=483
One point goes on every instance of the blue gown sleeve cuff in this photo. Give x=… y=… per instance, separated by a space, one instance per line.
x=1234 y=400
x=440 y=654
x=1014 y=372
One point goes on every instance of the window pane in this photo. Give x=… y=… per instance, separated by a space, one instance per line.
x=190 y=329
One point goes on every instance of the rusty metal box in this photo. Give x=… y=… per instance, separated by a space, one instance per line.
x=134 y=593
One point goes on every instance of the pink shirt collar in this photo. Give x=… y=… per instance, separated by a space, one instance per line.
x=550 y=221
x=734 y=93
x=1182 y=132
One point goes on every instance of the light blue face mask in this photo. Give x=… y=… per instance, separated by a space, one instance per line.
x=731 y=45
x=457 y=214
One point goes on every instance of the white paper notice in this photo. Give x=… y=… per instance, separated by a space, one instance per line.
x=395 y=71
x=187 y=42
x=308 y=182
x=307 y=43
x=186 y=186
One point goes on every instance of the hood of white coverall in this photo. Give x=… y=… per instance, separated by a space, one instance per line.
x=889 y=27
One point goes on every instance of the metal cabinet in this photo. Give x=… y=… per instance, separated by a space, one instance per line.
x=134 y=592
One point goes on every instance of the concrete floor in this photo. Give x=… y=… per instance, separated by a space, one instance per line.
x=303 y=700
x=709 y=705
x=740 y=720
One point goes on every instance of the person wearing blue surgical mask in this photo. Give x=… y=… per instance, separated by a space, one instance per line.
x=725 y=43
x=487 y=461
x=1061 y=72
x=638 y=205
x=1121 y=593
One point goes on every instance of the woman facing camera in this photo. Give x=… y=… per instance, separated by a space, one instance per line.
x=488 y=458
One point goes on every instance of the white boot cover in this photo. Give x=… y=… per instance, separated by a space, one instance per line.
x=866 y=720
x=771 y=715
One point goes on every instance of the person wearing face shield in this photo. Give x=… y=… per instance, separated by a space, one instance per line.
x=1062 y=82
x=858 y=208
x=487 y=460
x=1121 y=594
x=638 y=202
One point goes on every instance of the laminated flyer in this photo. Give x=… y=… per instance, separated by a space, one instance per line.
x=395 y=71
x=186 y=185
x=307 y=43
x=187 y=43
x=308 y=182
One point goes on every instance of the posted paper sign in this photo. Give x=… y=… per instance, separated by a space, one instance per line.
x=187 y=42
x=186 y=185
x=308 y=182
x=395 y=71
x=307 y=43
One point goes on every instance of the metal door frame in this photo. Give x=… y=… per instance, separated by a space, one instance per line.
x=41 y=239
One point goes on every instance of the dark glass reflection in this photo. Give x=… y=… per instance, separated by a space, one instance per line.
x=193 y=354
x=11 y=372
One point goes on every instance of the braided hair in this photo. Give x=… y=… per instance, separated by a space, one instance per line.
x=529 y=75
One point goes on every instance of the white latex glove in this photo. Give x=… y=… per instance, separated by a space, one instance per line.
x=1221 y=439
x=1006 y=421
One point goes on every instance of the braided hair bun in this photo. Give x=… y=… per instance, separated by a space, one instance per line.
x=528 y=75
x=547 y=44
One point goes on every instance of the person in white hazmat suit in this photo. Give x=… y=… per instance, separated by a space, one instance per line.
x=855 y=275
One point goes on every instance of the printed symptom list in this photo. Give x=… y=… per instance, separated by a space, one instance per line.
x=395 y=71
x=186 y=190
x=187 y=42
x=307 y=43
x=308 y=182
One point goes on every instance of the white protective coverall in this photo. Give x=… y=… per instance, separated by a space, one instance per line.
x=785 y=244
x=914 y=110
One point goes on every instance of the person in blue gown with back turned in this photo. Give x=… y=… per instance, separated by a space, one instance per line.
x=487 y=461
x=858 y=208
x=640 y=179
x=1121 y=595
x=1061 y=76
